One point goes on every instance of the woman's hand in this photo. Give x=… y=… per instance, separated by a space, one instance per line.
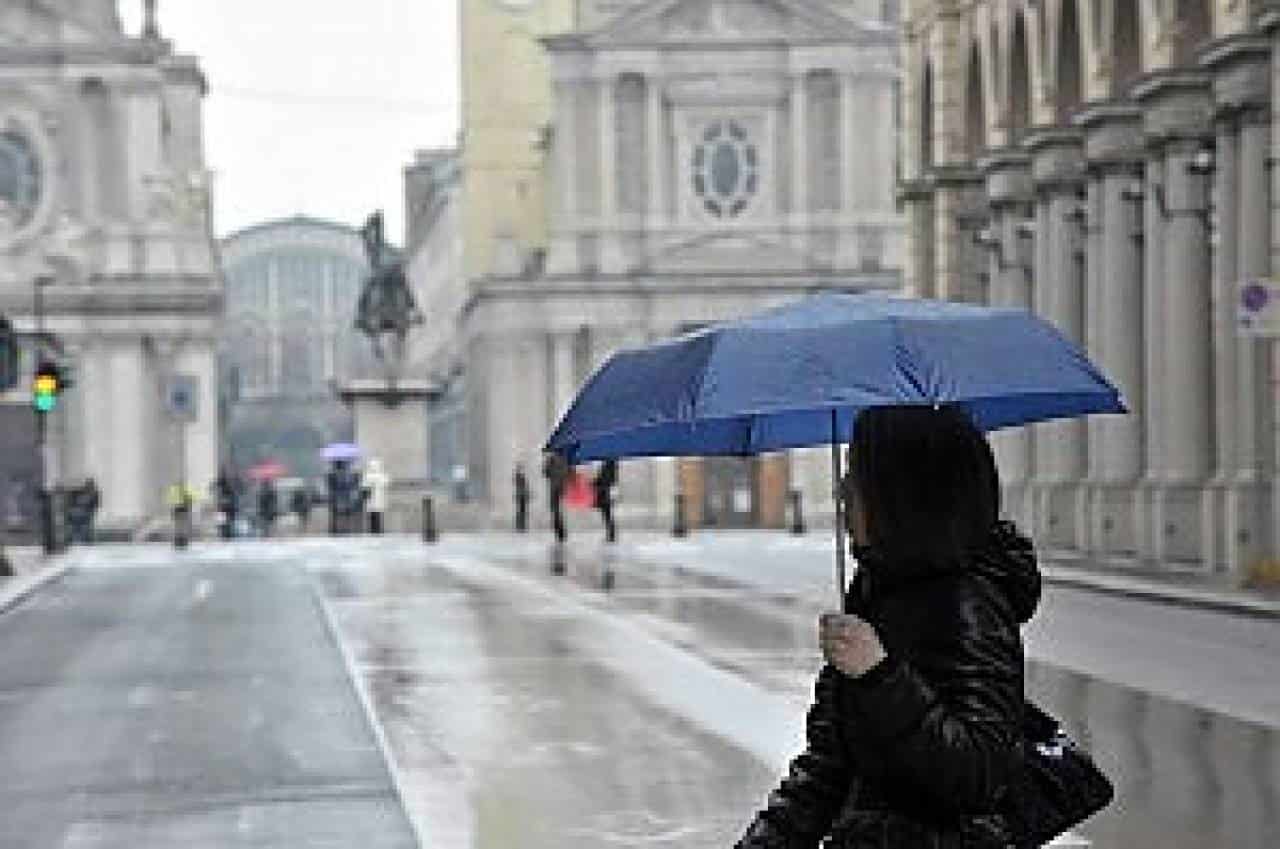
x=849 y=644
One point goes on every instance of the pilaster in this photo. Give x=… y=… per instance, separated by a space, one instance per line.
x=1010 y=194
x=1058 y=171
x=1113 y=148
x=1177 y=113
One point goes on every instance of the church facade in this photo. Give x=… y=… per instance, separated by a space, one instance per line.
x=104 y=208
x=702 y=159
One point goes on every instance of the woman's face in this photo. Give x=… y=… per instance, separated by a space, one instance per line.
x=855 y=519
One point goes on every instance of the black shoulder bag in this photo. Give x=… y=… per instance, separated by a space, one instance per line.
x=1060 y=785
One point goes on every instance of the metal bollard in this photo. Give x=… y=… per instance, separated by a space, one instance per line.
x=797 y=514
x=679 y=528
x=429 y=532
x=181 y=526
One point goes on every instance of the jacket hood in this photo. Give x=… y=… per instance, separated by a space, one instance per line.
x=1008 y=559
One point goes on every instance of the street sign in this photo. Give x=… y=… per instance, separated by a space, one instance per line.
x=1258 y=307
x=181 y=397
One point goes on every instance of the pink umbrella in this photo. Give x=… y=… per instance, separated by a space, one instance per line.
x=267 y=470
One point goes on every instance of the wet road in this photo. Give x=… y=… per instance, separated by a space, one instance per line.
x=638 y=703
x=205 y=707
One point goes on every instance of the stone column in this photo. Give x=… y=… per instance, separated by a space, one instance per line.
x=957 y=203
x=799 y=213
x=1008 y=176
x=563 y=256
x=1225 y=271
x=143 y=147
x=656 y=147
x=1113 y=146
x=563 y=380
x=917 y=201
x=1188 y=356
x=1154 y=287
x=1058 y=170
x=1241 y=89
x=1177 y=115
x=610 y=232
x=1247 y=513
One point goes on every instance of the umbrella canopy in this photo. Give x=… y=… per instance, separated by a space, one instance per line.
x=798 y=375
x=267 y=470
x=341 y=451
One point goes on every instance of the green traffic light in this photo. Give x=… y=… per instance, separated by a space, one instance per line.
x=44 y=403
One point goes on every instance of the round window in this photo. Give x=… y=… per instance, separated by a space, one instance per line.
x=725 y=169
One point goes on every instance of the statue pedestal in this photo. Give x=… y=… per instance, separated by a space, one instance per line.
x=391 y=424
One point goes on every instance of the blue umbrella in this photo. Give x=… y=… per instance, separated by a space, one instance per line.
x=798 y=375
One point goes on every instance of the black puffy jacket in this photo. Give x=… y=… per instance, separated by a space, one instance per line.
x=919 y=750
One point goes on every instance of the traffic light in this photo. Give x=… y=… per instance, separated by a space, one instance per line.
x=45 y=387
x=10 y=356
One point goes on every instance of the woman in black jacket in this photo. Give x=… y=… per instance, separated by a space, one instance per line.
x=914 y=733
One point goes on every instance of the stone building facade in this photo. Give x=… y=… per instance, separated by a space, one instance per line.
x=702 y=159
x=104 y=195
x=289 y=340
x=1108 y=165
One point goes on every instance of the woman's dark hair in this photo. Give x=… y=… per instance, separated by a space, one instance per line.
x=926 y=480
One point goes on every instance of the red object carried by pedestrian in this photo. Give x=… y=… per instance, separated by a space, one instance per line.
x=578 y=492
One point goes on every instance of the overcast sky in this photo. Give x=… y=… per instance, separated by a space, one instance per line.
x=315 y=106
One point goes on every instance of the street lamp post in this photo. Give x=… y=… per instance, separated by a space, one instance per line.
x=45 y=498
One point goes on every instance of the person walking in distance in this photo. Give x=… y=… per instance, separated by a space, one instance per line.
x=605 y=480
x=556 y=470
x=377 y=482
x=300 y=504
x=268 y=506
x=521 y=482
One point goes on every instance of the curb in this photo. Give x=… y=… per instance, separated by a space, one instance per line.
x=1224 y=602
x=19 y=588
x=366 y=702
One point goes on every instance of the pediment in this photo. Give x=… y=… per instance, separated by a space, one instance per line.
x=685 y=21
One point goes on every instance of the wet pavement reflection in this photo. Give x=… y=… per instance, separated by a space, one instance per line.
x=507 y=732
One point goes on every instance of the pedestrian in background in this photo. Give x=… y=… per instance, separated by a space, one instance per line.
x=521 y=482
x=556 y=470
x=226 y=499
x=268 y=506
x=915 y=733
x=602 y=488
x=301 y=506
x=376 y=484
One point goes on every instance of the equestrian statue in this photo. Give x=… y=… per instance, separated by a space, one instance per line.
x=387 y=307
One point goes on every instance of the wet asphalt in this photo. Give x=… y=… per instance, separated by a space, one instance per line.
x=601 y=700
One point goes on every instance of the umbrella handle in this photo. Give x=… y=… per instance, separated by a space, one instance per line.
x=835 y=495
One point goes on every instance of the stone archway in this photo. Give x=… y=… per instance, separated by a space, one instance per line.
x=975 y=111
x=1126 y=45
x=1019 y=80
x=1069 y=69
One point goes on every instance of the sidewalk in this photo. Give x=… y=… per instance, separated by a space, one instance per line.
x=788 y=563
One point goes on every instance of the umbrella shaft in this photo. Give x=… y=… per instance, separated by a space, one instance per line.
x=835 y=490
